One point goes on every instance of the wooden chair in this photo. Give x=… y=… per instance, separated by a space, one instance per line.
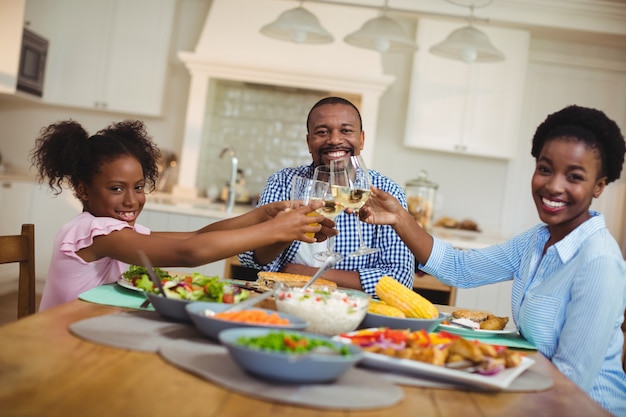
x=233 y=269
x=21 y=248
x=624 y=348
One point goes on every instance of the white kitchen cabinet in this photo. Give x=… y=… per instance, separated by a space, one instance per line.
x=110 y=55
x=472 y=109
x=11 y=16
x=15 y=204
x=49 y=212
x=160 y=221
x=495 y=298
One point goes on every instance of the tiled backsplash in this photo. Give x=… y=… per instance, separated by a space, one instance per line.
x=266 y=125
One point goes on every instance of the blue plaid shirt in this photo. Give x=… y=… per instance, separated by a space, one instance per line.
x=393 y=259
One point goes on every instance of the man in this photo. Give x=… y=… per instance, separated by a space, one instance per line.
x=334 y=131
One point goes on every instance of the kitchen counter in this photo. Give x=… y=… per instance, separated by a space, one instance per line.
x=195 y=207
x=17 y=176
x=466 y=239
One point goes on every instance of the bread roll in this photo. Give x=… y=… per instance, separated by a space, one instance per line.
x=267 y=280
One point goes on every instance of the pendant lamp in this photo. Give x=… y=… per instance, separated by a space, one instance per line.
x=468 y=44
x=383 y=35
x=298 y=26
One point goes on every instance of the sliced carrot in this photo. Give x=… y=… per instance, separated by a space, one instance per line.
x=252 y=316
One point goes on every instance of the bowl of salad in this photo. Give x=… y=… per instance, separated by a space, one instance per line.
x=288 y=356
x=181 y=290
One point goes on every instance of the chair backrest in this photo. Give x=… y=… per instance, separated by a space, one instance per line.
x=624 y=348
x=21 y=248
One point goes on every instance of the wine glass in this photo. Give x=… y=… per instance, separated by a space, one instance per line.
x=356 y=194
x=336 y=177
x=304 y=190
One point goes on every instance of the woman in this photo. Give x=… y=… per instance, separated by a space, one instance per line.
x=568 y=273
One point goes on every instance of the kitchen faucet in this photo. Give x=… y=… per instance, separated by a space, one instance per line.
x=230 y=201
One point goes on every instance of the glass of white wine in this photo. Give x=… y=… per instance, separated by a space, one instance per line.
x=304 y=190
x=336 y=177
x=356 y=194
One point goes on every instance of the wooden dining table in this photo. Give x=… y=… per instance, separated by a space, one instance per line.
x=47 y=371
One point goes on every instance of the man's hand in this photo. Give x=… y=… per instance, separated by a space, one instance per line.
x=328 y=230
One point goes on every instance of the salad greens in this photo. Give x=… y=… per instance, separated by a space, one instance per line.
x=290 y=343
x=193 y=287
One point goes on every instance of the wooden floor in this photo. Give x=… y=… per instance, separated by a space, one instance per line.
x=8 y=307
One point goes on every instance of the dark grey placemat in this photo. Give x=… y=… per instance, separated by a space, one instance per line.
x=135 y=330
x=356 y=389
x=147 y=331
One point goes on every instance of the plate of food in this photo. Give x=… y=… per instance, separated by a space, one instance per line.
x=191 y=287
x=122 y=282
x=444 y=358
x=477 y=323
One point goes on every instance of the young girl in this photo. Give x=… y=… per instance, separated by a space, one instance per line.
x=109 y=173
x=569 y=275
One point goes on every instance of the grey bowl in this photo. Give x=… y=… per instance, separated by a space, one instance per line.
x=378 y=320
x=288 y=368
x=211 y=326
x=170 y=308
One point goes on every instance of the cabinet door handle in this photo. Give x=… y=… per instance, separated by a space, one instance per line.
x=6 y=185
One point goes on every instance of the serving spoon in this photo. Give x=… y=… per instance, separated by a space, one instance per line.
x=153 y=277
x=329 y=263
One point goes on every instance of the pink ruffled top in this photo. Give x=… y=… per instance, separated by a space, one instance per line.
x=69 y=275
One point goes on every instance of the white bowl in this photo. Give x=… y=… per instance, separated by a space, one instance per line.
x=328 y=311
x=212 y=326
x=286 y=367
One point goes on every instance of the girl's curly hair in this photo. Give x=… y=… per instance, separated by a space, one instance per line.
x=590 y=126
x=64 y=152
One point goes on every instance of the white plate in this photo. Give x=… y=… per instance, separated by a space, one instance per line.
x=127 y=284
x=461 y=331
x=496 y=382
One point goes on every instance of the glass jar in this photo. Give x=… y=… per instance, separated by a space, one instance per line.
x=420 y=197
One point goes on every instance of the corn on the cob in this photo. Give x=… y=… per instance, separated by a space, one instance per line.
x=409 y=302
x=382 y=308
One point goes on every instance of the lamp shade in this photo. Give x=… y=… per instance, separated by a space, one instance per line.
x=467 y=44
x=383 y=35
x=299 y=26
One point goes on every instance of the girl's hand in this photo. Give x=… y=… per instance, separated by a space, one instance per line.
x=294 y=223
x=380 y=208
x=272 y=209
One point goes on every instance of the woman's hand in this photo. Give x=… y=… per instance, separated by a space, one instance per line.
x=381 y=208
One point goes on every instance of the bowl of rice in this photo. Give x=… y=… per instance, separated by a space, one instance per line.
x=328 y=311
